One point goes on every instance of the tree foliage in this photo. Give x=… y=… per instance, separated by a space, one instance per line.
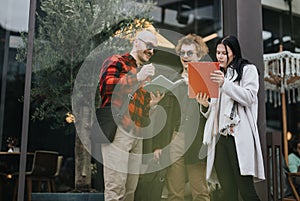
x=67 y=32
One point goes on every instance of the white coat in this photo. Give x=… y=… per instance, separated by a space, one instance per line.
x=246 y=136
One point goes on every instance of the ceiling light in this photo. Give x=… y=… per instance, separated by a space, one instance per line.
x=210 y=37
x=266 y=35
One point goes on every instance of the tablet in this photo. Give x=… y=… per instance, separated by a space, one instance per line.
x=199 y=79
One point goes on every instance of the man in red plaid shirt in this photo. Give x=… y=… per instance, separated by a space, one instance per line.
x=121 y=73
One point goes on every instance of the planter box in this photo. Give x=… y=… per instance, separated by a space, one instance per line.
x=67 y=197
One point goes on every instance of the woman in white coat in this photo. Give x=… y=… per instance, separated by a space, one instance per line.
x=231 y=129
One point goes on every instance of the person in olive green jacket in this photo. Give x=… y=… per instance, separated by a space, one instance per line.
x=179 y=142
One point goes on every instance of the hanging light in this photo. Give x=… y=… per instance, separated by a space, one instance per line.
x=289 y=135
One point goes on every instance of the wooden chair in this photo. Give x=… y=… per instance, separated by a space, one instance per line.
x=58 y=167
x=291 y=176
x=44 y=168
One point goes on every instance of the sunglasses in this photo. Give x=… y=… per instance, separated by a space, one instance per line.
x=188 y=53
x=149 y=46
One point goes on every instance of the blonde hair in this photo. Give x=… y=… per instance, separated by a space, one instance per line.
x=201 y=47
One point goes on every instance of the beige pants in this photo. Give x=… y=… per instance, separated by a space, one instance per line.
x=178 y=171
x=122 y=160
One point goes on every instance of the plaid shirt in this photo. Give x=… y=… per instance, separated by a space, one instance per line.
x=117 y=79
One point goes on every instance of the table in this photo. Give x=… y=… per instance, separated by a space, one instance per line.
x=9 y=164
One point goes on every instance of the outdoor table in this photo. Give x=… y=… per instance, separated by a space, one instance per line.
x=9 y=164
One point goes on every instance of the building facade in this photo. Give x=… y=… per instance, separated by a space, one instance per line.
x=261 y=27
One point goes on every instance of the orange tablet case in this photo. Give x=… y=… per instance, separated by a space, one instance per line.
x=199 y=79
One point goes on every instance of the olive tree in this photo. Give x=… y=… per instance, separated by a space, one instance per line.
x=67 y=32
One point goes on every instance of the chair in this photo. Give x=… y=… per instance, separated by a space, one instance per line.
x=58 y=167
x=44 y=168
x=292 y=176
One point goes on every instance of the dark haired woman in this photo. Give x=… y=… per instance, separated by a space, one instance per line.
x=232 y=120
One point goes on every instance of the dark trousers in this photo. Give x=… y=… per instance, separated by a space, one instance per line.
x=228 y=172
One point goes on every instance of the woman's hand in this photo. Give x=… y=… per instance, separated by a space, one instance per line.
x=155 y=99
x=218 y=77
x=157 y=154
x=202 y=99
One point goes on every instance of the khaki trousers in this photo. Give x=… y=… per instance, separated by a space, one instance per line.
x=122 y=161
x=178 y=171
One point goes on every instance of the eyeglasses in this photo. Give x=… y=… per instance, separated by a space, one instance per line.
x=149 y=45
x=188 y=53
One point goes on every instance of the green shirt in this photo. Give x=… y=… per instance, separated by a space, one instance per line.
x=294 y=162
